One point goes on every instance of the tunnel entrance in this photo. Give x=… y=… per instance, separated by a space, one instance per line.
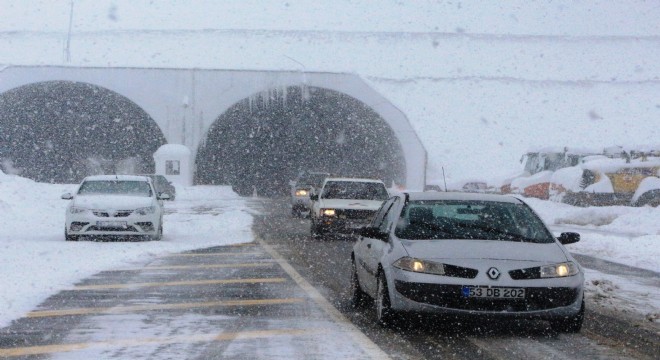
x=62 y=131
x=264 y=141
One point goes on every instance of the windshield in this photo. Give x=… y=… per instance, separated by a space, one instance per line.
x=487 y=220
x=354 y=190
x=118 y=187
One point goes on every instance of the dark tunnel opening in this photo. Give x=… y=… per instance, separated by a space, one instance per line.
x=263 y=142
x=62 y=131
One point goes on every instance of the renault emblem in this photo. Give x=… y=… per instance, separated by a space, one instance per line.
x=493 y=273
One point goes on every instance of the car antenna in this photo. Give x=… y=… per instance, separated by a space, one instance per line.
x=444 y=178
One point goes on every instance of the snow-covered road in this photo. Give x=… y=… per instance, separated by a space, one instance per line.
x=37 y=262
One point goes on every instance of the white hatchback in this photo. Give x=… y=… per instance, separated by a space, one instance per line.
x=463 y=254
x=114 y=205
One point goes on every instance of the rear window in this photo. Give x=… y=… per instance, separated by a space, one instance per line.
x=487 y=220
x=354 y=190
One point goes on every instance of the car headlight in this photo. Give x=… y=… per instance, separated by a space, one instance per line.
x=302 y=192
x=559 y=270
x=328 y=212
x=420 y=266
x=146 y=210
x=76 y=210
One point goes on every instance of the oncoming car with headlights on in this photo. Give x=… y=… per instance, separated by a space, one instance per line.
x=461 y=254
x=115 y=205
x=345 y=205
x=301 y=189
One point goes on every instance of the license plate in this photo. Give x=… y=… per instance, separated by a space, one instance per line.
x=493 y=292
x=111 y=223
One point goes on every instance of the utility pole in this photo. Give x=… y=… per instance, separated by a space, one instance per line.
x=67 y=46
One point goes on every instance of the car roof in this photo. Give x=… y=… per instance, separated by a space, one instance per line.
x=116 y=177
x=437 y=195
x=153 y=176
x=353 y=180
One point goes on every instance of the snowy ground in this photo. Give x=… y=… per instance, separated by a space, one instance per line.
x=37 y=262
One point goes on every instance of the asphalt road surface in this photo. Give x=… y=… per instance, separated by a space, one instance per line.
x=285 y=296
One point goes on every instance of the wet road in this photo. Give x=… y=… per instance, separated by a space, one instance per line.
x=283 y=296
x=327 y=265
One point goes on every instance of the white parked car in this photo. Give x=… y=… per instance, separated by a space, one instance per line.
x=345 y=204
x=117 y=205
x=466 y=254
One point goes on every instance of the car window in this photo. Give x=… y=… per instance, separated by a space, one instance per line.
x=455 y=219
x=354 y=190
x=380 y=214
x=390 y=217
x=117 y=187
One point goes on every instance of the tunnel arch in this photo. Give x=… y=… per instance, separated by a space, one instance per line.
x=290 y=129
x=60 y=131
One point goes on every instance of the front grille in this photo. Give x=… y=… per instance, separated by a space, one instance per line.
x=525 y=274
x=355 y=214
x=461 y=272
x=451 y=296
x=112 y=228
x=119 y=213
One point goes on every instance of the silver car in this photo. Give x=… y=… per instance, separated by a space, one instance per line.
x=466 y=254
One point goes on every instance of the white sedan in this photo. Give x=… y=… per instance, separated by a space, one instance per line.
x=116 y=205
x=469 y=255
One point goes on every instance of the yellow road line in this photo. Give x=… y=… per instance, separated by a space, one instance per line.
x=136 y=308
x=217 y=254
x=245 y=335
x=179 y=283
x=351 y=330
x=212 y=266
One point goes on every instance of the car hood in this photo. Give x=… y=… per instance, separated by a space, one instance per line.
x=484 y=249
x=351 y=204
x=116 y=202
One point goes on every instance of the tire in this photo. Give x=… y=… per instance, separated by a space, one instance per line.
x=159 y=235
x=571 y=325
x=316 y=232
x=385 y=316
x=68 y=237
x=295 y=213
x=359 y=298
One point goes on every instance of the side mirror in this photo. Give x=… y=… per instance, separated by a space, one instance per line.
x=372 y=232
x=568 y=238
x=163 y=197
x=313 y=197
x=67 y=196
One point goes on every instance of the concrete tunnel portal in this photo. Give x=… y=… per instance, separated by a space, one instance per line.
x=59 y=131
x=62 y=131
x=262 y=142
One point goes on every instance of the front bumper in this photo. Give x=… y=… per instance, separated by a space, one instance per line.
x=94 y=223
x=334 y=224
x=553 y=298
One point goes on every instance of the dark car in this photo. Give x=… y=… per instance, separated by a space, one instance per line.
x=162 y=185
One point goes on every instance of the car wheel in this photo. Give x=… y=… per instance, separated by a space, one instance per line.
x=295 y=212
x=384 y=313
x=359 y=298
x=571 y=324
x=68 y=237
x=159 y=235
x=315 y=231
